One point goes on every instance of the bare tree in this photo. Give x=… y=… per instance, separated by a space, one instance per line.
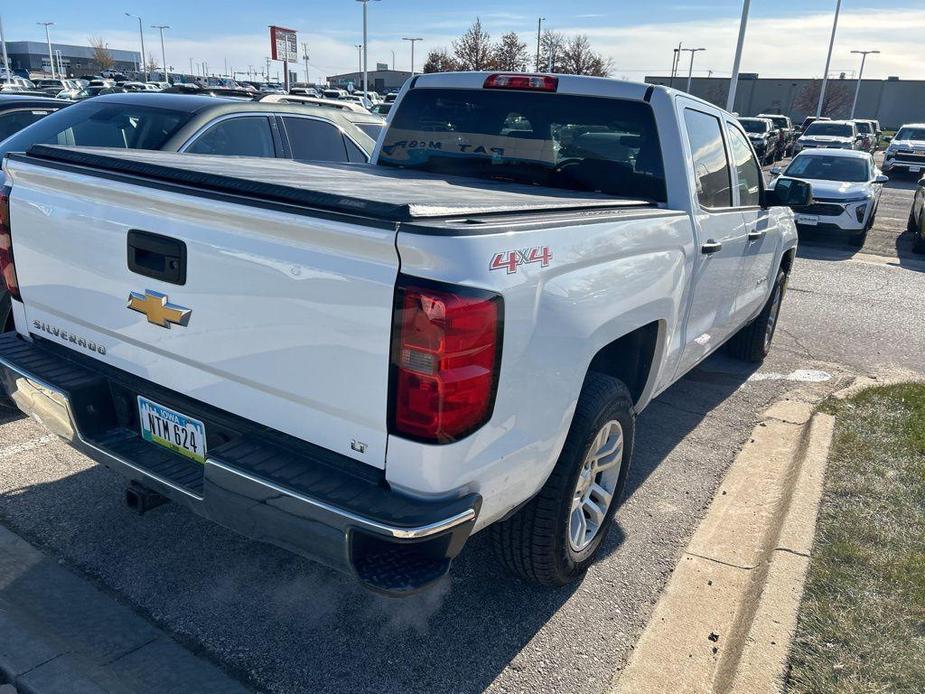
x=511 y=54
x=440 y=60
x=838 y=98
x=577 y=58
x=152 y=63
x=552 y=45
x=473 y=50
x=102 y=56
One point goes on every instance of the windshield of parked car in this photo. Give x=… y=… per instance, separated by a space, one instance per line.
x=846 y=169
x=864 y=128
x=95 y=123
x=779 y=121
x=754 y=126
x=584 y=143
x=829 y=129
x=910 y=134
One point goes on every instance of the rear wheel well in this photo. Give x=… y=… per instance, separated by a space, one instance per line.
x=786 y=262
x=629 y=359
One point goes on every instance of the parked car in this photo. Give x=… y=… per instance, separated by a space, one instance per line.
x=54 y=87
x=20 y=111
x=830 y=134
x=325 y=103
x=367 y=364
x=369 y=123
x=846 y=192
x=304 y=91
x=764 y=138
x=17 y=84
x=916 y=225
x=809 y=120
x=381 y=109
x=906 y=152
x=868 y=135
x=90 y=92
x=785 y=130
x=334 y=93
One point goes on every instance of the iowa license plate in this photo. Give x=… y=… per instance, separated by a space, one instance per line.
x=173 y=430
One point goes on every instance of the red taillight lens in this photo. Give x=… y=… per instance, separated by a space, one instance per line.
x=7 y=268
x=535 y=83
x=445 y=358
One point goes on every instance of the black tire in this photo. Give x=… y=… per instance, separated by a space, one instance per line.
x=533 y=543
x=918 y=243
x=910 y=225
x=753 y=342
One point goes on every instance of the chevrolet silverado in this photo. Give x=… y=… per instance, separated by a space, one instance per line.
x=366 y=364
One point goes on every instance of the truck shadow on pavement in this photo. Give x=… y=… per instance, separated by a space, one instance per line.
x=286 y=624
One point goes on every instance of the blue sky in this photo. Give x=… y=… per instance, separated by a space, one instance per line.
x=786 y=37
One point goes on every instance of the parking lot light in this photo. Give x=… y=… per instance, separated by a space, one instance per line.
x=413 y=41
x=828 y=61
x=51 y=57
x=734 y=82
x=141 y=32
x=690 y=72
x=161 y=28
x=857 y=91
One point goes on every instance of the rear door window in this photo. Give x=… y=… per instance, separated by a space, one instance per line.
x=244 y=136
x=315 y=140
x=711 y=168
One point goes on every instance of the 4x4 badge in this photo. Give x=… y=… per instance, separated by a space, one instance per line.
x=158 y=309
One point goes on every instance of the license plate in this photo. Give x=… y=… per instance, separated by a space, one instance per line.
x=915 y=169
x=809 y=220
x=173 y=430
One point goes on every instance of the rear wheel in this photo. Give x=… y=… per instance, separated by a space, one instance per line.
x=556 y=536
x=753 y=342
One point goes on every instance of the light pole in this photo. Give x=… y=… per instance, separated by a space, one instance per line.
x=690 y=72
x=359 y=47
x=413 y=41
x=828 y=61
x=144 y=60
x=675 y=63
x=6 y=59
x=305 y=58
x=734 y=82
x=161 y=28
x=366 y=46
x=539 y=34
x=51 y=56
x=857 y=92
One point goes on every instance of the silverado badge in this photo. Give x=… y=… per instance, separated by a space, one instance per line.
x=158 y=309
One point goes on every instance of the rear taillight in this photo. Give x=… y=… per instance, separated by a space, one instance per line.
x=534 y=83
x=445 y=356
x=7 y=268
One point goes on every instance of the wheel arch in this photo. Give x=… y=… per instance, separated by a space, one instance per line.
x=633 y=359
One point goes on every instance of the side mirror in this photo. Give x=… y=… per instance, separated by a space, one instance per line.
x=789 y=192
x=882 y=179
x=776 y=171
x=887 y=138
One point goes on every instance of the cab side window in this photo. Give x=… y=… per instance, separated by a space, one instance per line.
x=315 y=140
x=748 y=172
x=711 y=169
x=246 y=136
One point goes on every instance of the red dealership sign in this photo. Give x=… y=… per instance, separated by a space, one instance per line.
x=284 y=45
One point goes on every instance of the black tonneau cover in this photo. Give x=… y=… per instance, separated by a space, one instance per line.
x=391 y=194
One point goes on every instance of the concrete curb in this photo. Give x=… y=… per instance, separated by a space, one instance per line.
x=60 y=633
x=725 y=619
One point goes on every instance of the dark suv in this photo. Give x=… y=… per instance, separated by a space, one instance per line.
x=786 y=132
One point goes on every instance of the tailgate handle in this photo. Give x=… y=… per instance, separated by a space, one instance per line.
x=157 y=256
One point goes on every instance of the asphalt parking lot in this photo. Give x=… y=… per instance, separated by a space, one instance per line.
x=283 y=624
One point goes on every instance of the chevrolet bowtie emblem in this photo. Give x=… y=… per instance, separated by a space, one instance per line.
x=158 y=310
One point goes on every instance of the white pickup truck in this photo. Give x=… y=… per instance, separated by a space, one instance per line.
x=367 y=364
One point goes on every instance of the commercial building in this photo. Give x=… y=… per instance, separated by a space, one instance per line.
x=380 y=81
x=77 y=60
x=892 y=101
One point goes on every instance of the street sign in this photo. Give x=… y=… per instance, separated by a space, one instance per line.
x=284 y=45
x=382 y=66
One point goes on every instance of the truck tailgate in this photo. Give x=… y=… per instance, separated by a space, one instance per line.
x=290 y=315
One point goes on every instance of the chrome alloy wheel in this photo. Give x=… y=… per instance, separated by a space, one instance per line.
x=597 y=482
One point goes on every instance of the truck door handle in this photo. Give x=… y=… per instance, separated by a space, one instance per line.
x=757 y=234
x=711 y=247
x=157 y=256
